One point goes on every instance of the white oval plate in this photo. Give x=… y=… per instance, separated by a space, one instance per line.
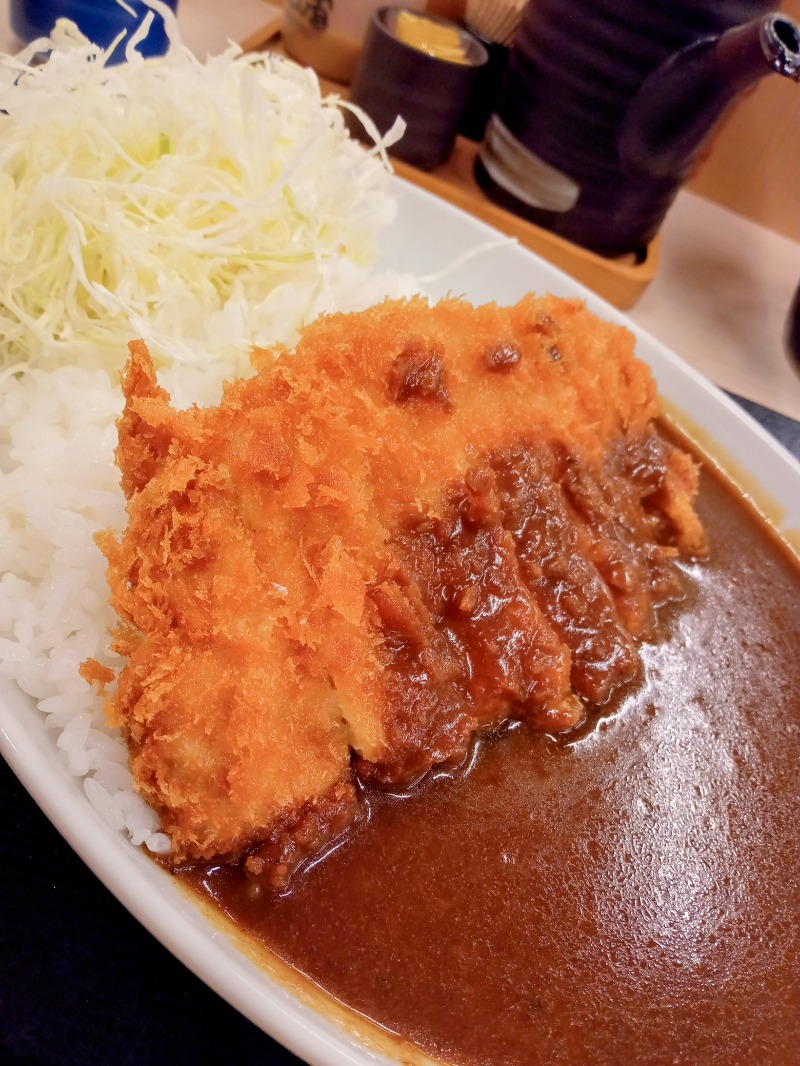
x=428 y=235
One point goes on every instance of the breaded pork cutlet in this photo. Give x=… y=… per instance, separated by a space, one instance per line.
x=422 y=522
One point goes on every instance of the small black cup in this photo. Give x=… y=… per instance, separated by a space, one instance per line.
x=394 y=78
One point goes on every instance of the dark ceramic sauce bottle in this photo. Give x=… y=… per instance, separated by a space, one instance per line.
x=606 y=103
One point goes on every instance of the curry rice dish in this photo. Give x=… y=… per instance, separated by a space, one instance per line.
x=424 y=522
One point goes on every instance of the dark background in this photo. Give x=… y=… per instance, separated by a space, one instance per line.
x=81 y=982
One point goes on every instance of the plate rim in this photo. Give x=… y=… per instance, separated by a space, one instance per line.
x=148 y=891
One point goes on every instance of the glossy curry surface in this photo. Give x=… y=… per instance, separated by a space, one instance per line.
x=629 y=894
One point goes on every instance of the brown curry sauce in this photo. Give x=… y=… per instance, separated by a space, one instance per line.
x=628 y=893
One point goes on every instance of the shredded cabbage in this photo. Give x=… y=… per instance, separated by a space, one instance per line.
x=204 y=206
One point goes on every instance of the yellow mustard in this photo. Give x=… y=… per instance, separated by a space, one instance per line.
x=433 y=38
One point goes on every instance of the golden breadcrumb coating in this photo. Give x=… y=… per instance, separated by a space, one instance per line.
x=420 y=522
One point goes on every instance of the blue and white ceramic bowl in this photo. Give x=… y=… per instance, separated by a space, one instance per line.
x=100 y=20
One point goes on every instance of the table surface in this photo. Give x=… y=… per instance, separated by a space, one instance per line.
x=81 y=981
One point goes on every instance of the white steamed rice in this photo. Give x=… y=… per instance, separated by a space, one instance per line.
x=58 y=486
